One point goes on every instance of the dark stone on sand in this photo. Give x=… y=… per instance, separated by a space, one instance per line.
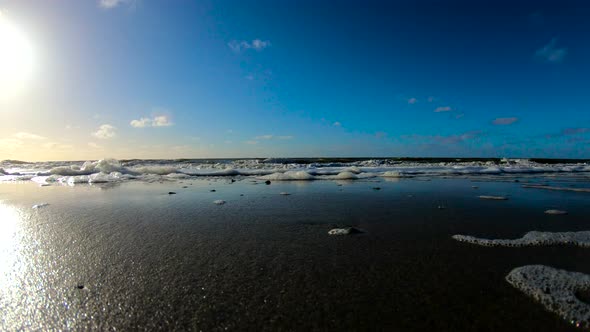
x=376 y=188
x=80 y=286
x=184 y=186
x=241 y=194
x=267 y=182
x=212 y=190
x=171 y=193
x=233 y=180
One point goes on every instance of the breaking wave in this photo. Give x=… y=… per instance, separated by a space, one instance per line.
x=275 y=169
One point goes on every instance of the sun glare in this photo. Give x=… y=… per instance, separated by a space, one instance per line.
x=16 y=59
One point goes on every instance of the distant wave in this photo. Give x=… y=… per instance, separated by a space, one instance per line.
x=276 y=169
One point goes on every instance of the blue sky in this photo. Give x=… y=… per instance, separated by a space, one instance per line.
x=170 y=79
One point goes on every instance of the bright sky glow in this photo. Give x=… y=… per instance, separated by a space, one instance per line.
x=16 y=59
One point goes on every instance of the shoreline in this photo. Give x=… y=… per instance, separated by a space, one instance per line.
x=265 y=260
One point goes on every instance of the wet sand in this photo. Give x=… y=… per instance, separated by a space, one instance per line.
x=133 y=257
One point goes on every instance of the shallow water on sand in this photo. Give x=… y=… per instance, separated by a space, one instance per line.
x=132 y=256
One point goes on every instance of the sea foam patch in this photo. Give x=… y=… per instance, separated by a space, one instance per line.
x=289 y=176
x=534 y=238
x=493 y=198
x=555 y=290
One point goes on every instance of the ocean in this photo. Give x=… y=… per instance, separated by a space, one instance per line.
x=215 y=245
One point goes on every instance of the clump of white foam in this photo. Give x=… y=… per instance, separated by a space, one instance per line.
x=534 y=238
x=345 y=231
x=339 y=231
x=284 y=193
x=346 y=176
x=555 y=212
x=392 y=174
x=289 y=176
x=40 y=205
x=219 y=202
x=555 y=289
x=493 y=198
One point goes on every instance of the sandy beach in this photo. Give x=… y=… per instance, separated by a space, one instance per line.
x=134 y=256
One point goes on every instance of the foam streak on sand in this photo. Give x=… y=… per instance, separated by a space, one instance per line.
x=493 y=198
x=580 y=190
x=555 y=289
x=534 y=238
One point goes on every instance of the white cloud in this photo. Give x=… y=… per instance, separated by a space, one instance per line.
x=337 y=124
x=504 y=121
x=94 y=145
x=24 y=135
x=161 y=121
x=550 y=53
x=157 y=121
x=264 y=137
x=242 y=45
x=105 y=131
x=109 y=4
x=412 y=101
x=443 y=109
x=141 y=123
x=269 y=137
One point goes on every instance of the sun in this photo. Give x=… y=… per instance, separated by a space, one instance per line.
x=16 y=59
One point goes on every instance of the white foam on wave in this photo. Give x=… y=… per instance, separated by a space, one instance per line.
x=89 y=167
x=159 y=170
x=280 y=169
x=289 y=176
x=392 y=174
x=7 y=178
x=40 y=205
x=346 y=176
x=555 y=290
x=533 y=238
